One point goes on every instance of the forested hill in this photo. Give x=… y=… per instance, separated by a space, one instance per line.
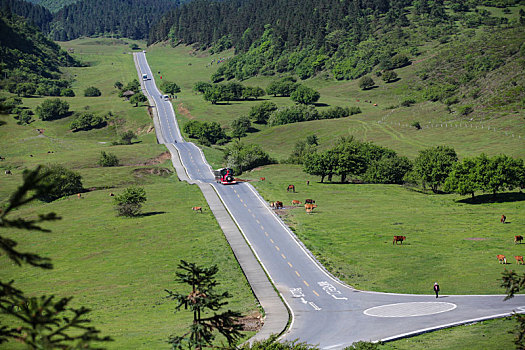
x=36 y=14
x=30 y=61
x=53 y=5
x=127 y=18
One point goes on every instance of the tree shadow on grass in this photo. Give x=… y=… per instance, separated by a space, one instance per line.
x=498 y=198
x=151 y=213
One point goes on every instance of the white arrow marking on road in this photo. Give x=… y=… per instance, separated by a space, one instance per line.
x=317 y=308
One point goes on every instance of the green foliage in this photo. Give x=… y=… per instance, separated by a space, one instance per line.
x=87 y=121
x=465 y=110
x=240 y=127
x=303 y=148
x=67 y=92
x=92 y=91
x=389 y=76
x=273 y=344
x=300 y=113
x=138 y=98
x=416 y=125
x=232 y=91
x=433 y=165
x=59 y=182
x=133 y=85
x=363 y=345
x=126 y=138
x=129 y=203
x=118 y=85
x=52 y=109
x=8 y=104
x=201 y=86
x=203 y=299
x=24 y=117
x=366 y=82
x=261 y=112
x=305 y=95
x=283 y=87
x=241 y=157
x=205 y=132
x=388 y=170
x=513 y=284
x=169 y=87
x=108 y=159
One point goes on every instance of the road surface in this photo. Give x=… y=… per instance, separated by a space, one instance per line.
x=323 y=310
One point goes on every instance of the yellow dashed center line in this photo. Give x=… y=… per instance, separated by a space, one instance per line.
x=315 y=293
x=276 y=247
x=242 y=201
x=257 y=221
x=266 y=233
x=297 y=273
x=306 y=283
x=249 y=210
x=262 y=227
x=283 y=256
x=289 y=264
x=271 y=240
x=245 y=205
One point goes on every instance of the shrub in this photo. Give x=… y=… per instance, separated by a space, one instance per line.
x=389 y=76
x=92 y=92
x=416 y=125
x=261 y=112
x=169 y=87
x=53 y=108
x=8 y=104
x=24 y=117
x=408 y=102
x=126 y=138
x=305 y=95
x=388 y=170
x=465 y=110
x=366 y=82
x=87 y=121
x=63 y=182
x=129 y=203
x=241 y=157
x=67 y=92
x=108 y=159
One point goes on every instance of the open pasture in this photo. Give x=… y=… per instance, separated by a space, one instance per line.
x=351 y=233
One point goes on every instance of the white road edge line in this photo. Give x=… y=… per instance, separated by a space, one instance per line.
x=290 y=310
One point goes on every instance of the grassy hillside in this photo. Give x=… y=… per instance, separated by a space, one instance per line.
x=116 y=266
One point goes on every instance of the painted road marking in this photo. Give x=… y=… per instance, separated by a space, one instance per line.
x=257 y=221
x=331 y=290
x=315 y=293
x=317 y=308
x=306 y=283
x=244 y=204
x=297 y=292
x=290 y=264
x=297 y=273
x=283 y=256
x=278 y=249
x=242 y=201
x=304 y=301
x=249 y=210
x=412 y=309
x=262 y=227
x=271 y=240
x=266 y=233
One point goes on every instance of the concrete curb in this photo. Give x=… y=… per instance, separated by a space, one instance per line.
x=276 y=314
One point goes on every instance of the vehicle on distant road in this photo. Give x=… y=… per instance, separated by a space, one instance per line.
x=144 y=77
x=224 y=176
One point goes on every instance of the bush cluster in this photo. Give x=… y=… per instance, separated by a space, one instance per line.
x=87 y=121
x=301 y=113
x=241 y=157
x=208 y=133
x=227 y=92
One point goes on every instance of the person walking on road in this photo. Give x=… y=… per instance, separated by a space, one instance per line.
x=436 y=289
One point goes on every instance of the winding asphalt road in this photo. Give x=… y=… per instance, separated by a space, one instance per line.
x=323 y=310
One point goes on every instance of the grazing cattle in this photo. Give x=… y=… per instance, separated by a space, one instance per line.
x=2 y=158
x=307 y=182
x=197 y=209
x=290 y=188
x=272 y=204
x=295 y=202
x=501 y=259
x=519 y=260
x=263 y=178
x=111 y=194
x=518 y=239
x=310 y=201
x=8 y=172
x=79 y=195
x=399 y=239
x=503 y=218
x=31 y=155
x=278 y=205
x=310 y=206
x=309 y=211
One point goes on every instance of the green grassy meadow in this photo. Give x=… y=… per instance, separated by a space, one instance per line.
x=118 y=267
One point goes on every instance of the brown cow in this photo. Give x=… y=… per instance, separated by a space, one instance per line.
x=309 y=211
x=272 y=204
x=310 y=201
x=263 y=178
x=518 y=239
x=197 y=209
x=290 y=188
x=79 y=195
x=310 y=206
x=503 y=219
x=399 y=239
x=296 y=202
x=519 y=260
x=501 y=259
x=278 y=205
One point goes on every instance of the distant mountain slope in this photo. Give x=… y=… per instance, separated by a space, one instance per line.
x=53 y=5
x=127 y=18
x=28 y=57
x=36 y=14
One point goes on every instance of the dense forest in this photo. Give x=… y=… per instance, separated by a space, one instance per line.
x=127 y=18
x=345 y=37
x=53 y=5
x=30 y=61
